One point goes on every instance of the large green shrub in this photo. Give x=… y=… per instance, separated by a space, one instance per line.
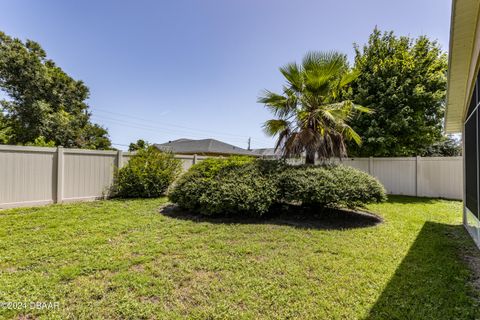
x=236 y=185
x=148 y=174
x=330 y=186
x=245 y=186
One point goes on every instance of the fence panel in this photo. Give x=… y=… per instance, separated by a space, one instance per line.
x=358 y=163
x=440 y=177
x=27 y=176
x=396 y=174
x=87 y=174
x=33 y=175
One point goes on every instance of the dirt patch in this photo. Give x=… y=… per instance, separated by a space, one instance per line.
x=137 y=268
x=474 y=264
x=192 y=290
x=153 y=300
x=471 y=256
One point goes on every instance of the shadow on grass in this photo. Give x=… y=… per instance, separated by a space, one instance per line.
x=293 y=216
x=432 y=281
x=395 y=199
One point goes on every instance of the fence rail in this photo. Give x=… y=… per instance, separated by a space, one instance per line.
x=35 y=175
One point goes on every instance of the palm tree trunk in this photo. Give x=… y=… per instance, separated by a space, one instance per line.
x=310 y=157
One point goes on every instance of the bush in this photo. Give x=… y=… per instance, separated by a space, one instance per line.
x=148 y=174
x=330 y=186
x=236 y=185
x=242 y=185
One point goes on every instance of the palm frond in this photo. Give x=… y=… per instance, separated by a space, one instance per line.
x=350 y=134
x=321 y=69
x=348 y=77
x=363 y=109
x=279 y=105
x=324 y=60
x=275 y=126
x=293 y=73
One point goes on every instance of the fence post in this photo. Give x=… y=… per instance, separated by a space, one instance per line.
x=119 y=159
x=194 y=158
x=417 y=170
x=60 y=169
x=370 y=165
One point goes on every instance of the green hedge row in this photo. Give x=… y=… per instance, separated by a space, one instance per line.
x=241 y=185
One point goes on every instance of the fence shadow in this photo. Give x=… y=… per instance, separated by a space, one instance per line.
x=398 y=199
x=432 y=281
x=293 y=216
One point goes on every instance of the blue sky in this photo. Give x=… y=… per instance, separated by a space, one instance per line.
x=162 y=70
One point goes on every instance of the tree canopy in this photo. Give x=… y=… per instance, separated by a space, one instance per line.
x=403 y=81
x=311 y=115
x=42 y=102
x=139 y=145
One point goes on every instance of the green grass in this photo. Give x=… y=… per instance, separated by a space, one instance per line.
x=125 y=260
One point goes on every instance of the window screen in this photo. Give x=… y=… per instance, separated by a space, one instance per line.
x=471 y=139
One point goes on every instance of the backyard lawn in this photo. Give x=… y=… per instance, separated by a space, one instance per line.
x=126 y=260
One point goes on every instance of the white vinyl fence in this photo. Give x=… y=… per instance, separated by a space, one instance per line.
x=436 y=177
x=35 y=176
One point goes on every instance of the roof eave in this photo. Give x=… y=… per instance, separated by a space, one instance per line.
x=464 y=48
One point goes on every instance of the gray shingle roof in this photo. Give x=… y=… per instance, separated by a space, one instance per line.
x=267 y=152
x=203 y=146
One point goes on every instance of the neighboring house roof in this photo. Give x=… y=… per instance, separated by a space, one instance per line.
x=267 y=152
x=463 y=61
x=203 y=146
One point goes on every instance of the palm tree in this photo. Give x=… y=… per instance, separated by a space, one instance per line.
x=311 y=116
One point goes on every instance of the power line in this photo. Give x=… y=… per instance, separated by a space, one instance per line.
x=157 y=128
x=121 y=144
x=170 y=124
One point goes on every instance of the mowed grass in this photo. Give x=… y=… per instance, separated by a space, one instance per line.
x=125 y=260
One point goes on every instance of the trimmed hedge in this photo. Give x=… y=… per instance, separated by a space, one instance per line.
x=235 y=185
x=330 y=186
x=147 y=174
x=242 y=185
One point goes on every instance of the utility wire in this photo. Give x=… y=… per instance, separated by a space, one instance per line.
x=170 y=124
x=164 y=130
x=157 y=128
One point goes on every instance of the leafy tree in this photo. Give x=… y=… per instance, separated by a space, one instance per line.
x=139 y=145
x=4 y=130
x=446 y=147
x=311 y=116
x=43 y=101
x=403 y=81
x=40 y=142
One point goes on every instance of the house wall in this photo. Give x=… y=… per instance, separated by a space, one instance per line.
x=36 y=176
x=471 y=152
x=462 y=102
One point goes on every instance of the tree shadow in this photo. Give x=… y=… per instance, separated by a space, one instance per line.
x=293 y=216
x=432 y=281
